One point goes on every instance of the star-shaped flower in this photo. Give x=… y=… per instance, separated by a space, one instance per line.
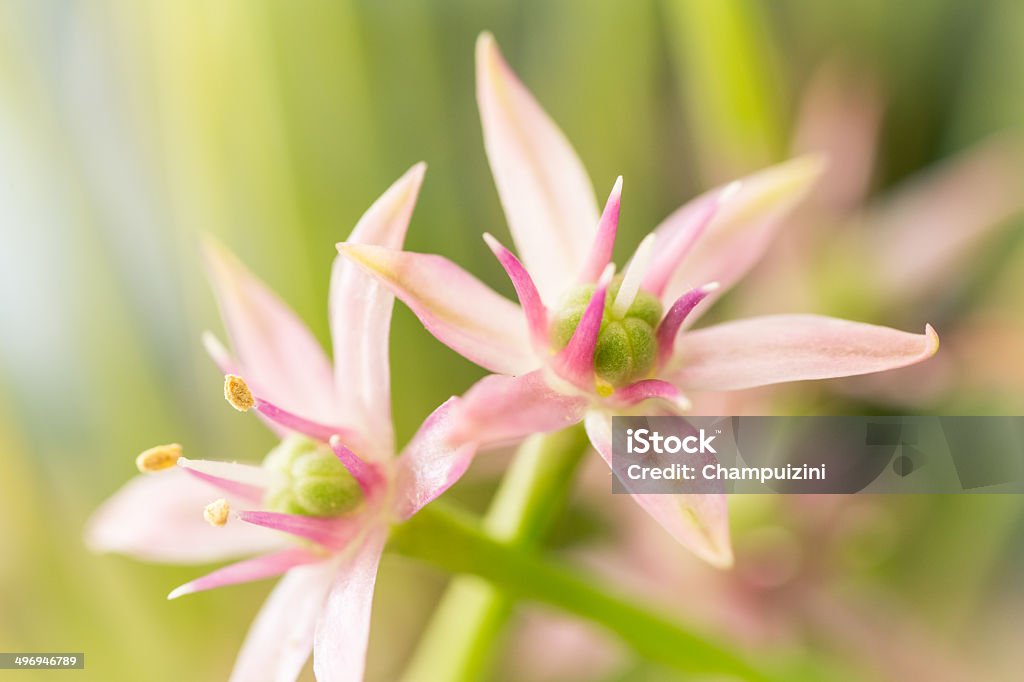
x=333 y=486
x=583 y=344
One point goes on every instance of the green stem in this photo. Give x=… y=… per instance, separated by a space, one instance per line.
x=456 y=542
x=458 y=642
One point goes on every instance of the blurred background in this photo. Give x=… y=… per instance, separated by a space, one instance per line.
x=127 y=129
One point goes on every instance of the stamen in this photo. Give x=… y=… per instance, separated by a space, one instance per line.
x=675 y=317
x=575 y=362
x=604 y=241
x=158 y=458
x=258 y=568
x=330 y=532
x=526 y=291
x=634 y=275
x=678 y=245
x=237 y=392
x=653 y=389
x=216 y=513
x=366 y=474
x=220 y=355
x=225 y=473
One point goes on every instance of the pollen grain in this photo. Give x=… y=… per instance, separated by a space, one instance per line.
x=237 y=392
x=216 y=513
x=158 y=458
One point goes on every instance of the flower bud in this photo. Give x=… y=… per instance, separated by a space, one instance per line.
x=627 y=346
x=313 y=482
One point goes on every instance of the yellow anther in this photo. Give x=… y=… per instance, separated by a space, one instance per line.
x=159 y=458
x=237 y=392
x=216 y=513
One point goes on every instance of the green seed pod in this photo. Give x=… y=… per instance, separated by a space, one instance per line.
x=323 y=496
x=646 y=307
x=311 y=480
x=626 y=347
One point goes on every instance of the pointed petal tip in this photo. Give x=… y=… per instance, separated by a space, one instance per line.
x=493 y=244
x=719 y=557
x=774 y=349
x=488 y=54
x=606 y=276
x=412 y=179
x=730 y=191
x=932 y=344
x=613 y=206
x=361 y=254
x=215 y=254
x=492 y=71
x=210 y=340
x=485 y=43
x=808 y=167
x=604 y=239
x=179 y=591
x=788 y=181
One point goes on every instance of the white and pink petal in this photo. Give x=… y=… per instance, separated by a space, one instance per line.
x=432 y=462
x=499 y=410
x=281 y=638
x=699 y=521
x=454 y=306
x=343 y=630
x=548 y=199
x=281 y=359
x=778 y=348
x=249 y=570
x=742 y=228
x=159 y=517
x=360 y=319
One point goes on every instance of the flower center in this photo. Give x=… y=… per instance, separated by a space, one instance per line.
x=312 y=481
x=627 y=344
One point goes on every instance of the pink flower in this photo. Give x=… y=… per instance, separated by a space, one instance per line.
x=333 y=484
x=584 y=345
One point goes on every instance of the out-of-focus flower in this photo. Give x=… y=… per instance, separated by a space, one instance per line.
x=798 y=583
x=584 y=345
x=333 y=484
x=921 y=241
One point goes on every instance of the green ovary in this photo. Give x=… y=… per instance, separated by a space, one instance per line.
x=312 y=481
x=627 y=346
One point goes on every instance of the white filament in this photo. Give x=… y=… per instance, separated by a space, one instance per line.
x=634 y=276
x=232 y=471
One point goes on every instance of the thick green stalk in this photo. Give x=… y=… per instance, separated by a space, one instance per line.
x=458 y=643
x=456 y=542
